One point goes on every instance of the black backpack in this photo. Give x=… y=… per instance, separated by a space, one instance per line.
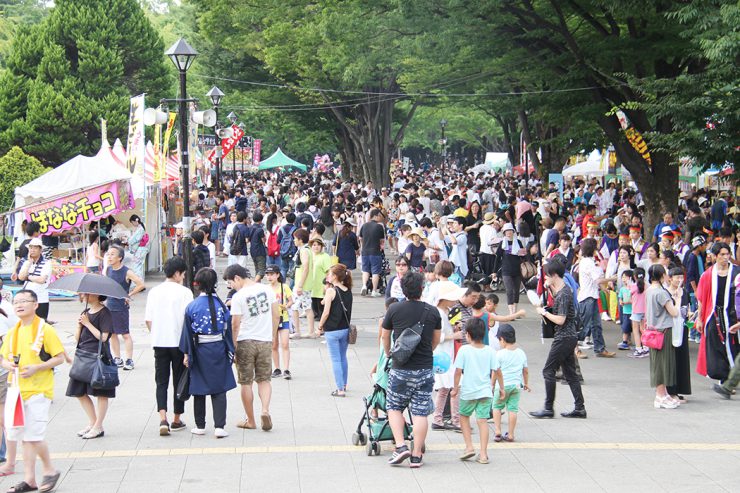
x=237 y=241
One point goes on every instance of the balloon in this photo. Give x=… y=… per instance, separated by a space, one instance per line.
x=441 y=362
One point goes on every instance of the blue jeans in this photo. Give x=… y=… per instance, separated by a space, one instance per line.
x=285 y=265
x=3 y=447
x=337 y=342
x=274 y=261
x=589 y=309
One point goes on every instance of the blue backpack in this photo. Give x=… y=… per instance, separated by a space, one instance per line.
x=287 y=245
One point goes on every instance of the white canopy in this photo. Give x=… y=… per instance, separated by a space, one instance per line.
x=79 y=173
x=497 y=160
x=593 y=166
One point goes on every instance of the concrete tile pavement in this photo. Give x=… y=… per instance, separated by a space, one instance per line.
x=310 y=448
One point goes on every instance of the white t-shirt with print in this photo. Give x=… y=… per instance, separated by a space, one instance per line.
x=254 y=304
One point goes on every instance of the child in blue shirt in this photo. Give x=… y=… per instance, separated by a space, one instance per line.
x=515 y=374
x=625 y=302
x=479 y=365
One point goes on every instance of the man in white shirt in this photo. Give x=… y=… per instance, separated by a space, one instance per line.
x=255 y=315
x=36 y=274
x=164 y=316
x=458 y=241
x=590 y=277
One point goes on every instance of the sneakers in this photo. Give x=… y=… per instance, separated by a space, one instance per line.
x=221 y=433
x=375 y=294
x=363 y=291
x=436 y=427
x=415 y=462
x=605 y=317
x=665 y=403
x=129 y=365
x=399 y=455
x=177 y=426
x=623 y=346
x=198 y=431
x=118 y=362
x=287 y=375
x=276 y=373
x=641 y=352
x=164 y=428
x=726 y=394
x=605 y=354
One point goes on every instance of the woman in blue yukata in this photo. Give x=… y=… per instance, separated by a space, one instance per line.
x=138 y=246
x=209 y=352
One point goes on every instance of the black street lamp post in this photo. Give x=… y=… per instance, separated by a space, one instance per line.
x=242 y=127
x=182 y=56
x=216 y=96
x=443 y=124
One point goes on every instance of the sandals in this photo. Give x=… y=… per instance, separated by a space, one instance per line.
x=266 y=422
x=21 y=487
x=497 y=438
x=8 y=472
x=84 y=431
x=48 y=483
x=339 y=393
x=246 y=425
x=507 y=438
x=467 y=455
x=481 y=460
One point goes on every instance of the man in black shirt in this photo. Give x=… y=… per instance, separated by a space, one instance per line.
x=372 y=236
x=562 y=351
x=411 y=384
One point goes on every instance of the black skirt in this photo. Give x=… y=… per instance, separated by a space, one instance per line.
x=683 y=367
x=77 y=388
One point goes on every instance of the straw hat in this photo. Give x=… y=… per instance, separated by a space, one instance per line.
x=489 y=217
x=450 y=291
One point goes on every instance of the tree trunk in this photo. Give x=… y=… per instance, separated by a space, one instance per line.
x=531 y=150
x=658 y=183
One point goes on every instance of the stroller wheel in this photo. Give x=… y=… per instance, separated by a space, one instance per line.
x=370 y=449
x=362 y=438
x=355 y=439
x=376 y=448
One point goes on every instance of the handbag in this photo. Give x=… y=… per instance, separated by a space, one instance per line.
x=527 y=269
x=335 y=257
x=352 y=336
x=183 y=386
x=406 y=343
x=105 y=373
x=653 y=338
x=83 y=365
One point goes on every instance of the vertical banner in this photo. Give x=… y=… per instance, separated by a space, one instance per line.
x=557 y=179
x=103 y=132
x=158 y=161
x=136 y=145
x=256 y=152
x=192 y=141
x=166 y=143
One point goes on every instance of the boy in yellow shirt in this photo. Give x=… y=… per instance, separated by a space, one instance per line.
x=34 y=349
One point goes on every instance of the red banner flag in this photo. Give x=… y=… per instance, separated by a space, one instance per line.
x=227 y=144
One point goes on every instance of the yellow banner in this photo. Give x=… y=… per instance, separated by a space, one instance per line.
x=166 y=144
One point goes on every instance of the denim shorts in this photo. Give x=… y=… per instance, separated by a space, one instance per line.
x=412 y=389
x=372 y=264
x=637 y=317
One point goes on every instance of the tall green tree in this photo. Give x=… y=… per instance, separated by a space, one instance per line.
x=80 y=64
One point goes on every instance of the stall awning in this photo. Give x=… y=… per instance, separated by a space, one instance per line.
x=280 y=160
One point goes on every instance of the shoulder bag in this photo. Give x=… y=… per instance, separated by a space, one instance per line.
x=405 y=345
x=352 y=338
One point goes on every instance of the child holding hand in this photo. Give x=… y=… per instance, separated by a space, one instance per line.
x=515 y=374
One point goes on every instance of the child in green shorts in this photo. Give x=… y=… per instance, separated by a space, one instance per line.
x=515 y=374
x=479 y=365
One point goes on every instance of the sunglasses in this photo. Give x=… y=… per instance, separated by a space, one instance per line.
x=402 y=263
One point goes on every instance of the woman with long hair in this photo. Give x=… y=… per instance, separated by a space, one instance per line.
x=138 y=245
x=335 y=322
x=473 y=222
x=348 y=247
x=661 y=308
x=272 y=226
x=208 y=346
x=95 y=324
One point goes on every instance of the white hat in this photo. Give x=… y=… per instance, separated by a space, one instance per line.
x=507 y=227
x=36 y=242
x=450 y=291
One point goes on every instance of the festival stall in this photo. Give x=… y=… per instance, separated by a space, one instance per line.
x=63 y=200
x=280 y=160
x=594 y=165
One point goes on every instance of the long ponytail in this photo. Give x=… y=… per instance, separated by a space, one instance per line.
x=639 y=277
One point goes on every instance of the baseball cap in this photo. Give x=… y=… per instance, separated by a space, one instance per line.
x=272 y=269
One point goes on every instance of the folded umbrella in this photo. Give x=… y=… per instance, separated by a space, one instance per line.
x=90 y=284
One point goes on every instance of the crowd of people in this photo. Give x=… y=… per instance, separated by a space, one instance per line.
x=582 y=252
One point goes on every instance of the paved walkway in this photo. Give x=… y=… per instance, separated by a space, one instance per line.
x=624 y=444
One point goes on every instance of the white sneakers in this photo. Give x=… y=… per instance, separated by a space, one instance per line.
x=666 y=402
x=219 y=432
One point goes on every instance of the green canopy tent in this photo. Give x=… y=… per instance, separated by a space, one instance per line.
x=280 y=160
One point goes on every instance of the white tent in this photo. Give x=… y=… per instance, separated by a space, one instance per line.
x=497 y=161
x=593 y=166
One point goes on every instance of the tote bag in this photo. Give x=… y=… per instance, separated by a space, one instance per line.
x=15 y=416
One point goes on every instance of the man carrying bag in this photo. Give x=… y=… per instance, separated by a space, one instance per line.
x=30 y=351
x=416 y=329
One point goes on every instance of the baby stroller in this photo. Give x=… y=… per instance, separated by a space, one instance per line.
x=378 y=426
x=385 y=271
